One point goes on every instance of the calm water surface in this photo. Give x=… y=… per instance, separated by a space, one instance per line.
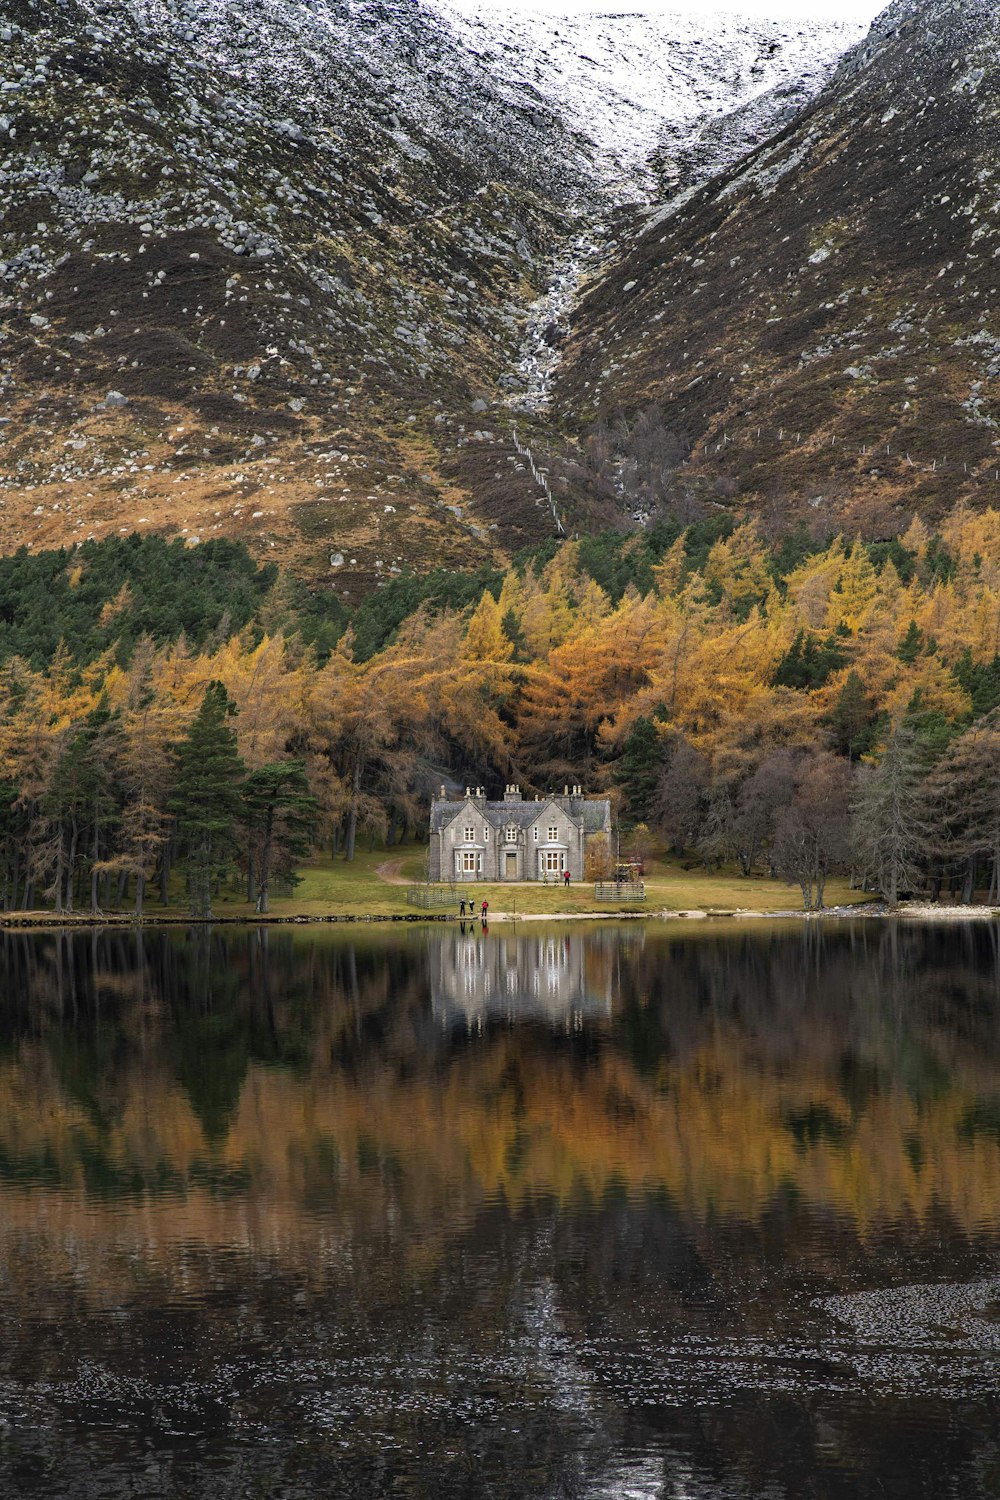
x=700 y=1211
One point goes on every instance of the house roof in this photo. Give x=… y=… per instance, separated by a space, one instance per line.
x=443 y=813
x=521 y=814
x=596 y=814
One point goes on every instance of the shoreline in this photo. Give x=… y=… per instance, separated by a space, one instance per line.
x=26 y=921
x=923 y=912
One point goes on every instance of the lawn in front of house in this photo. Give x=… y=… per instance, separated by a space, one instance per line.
x=374 y=885
x=361 y=888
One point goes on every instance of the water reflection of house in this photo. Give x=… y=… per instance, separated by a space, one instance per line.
x=561 y=978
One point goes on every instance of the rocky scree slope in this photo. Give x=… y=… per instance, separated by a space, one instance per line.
x=814 y=332
x=264 y=269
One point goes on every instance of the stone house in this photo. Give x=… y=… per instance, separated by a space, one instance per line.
x=473 y=839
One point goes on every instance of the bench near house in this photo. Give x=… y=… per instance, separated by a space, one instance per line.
x=474 y=839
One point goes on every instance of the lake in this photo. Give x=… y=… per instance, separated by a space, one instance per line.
x=692 y=1210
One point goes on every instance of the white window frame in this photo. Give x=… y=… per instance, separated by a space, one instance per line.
x=470 y=835
x=470 y=862
x=486 y=835
x=553 y=833
x=535 y=832
x=512 y=835
x=553 y=861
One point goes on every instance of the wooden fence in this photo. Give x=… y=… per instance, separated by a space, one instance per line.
x=432 y=895
x=620 y=890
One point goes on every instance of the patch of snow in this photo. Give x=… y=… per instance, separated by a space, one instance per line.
x=644 y=81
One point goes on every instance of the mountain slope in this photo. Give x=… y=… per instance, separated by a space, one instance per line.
x=267 y=267
x=275 y=232
x=813 y=316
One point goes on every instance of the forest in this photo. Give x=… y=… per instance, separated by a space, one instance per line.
x=805 y=706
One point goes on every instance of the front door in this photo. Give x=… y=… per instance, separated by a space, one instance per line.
x=510 y=873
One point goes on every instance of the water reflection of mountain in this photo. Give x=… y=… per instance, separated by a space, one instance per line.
x=557 y=977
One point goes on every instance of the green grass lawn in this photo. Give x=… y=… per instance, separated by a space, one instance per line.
x=328 y=887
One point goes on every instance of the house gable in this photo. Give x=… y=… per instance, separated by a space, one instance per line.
x=551 y=814
x=514 y=839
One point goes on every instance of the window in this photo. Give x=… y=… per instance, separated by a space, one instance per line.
x=486 y=835
x=553 y=833
x=512 y=835
x=553 y=861
x=535 y=832
x=469 y=861
x=470 y=835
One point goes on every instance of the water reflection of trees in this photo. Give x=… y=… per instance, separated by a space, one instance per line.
x=854 y=1062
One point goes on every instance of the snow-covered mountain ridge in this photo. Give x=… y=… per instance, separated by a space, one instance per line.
x=266 y=265
x=643 y=86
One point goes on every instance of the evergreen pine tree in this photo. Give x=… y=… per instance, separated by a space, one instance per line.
x=891 y=831
x=851 y=718
x=280 y=811
x=207 y=797
x=638 y=772
x=911 y=645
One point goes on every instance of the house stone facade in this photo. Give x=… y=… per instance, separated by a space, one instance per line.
x=473 y=839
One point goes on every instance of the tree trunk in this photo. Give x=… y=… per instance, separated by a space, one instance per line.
x=352 y=815
x=968 y=884
x=59 y=872
x=74 y=844
x=140 y=891
x=165 y=872
x=267 y=844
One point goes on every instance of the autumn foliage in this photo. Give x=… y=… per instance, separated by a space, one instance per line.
x=736 y=697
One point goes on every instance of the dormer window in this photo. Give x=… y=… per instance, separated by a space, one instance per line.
x=470 y=835
x=512 y=835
